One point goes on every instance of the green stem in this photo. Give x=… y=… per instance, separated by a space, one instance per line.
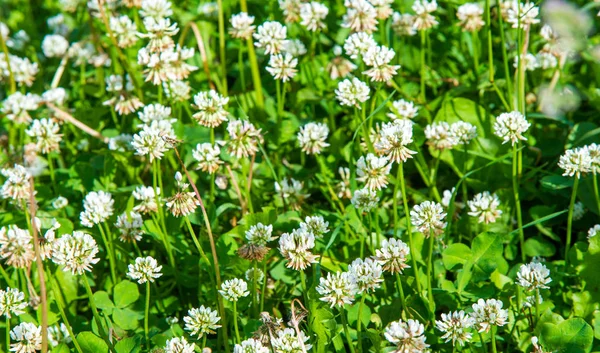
x=63 y=316
x=430 y=270
x=570 y=219
x=52 y=174
x=395 y=198
x=423 y=39
x=493 y=336
x=222 y=57
x=146 y=313
x=346 y=331
x=401 y=291
x=515 y=180
x=235 y=322
x=111 y=260
x=596 y=194
x=254 y=288
x=488 y=19
x=537 y=305
x=264 y=287
x=359 y=321
x=475 y=43
x=11 y=77
x=365 y=128
x=413 y=250
x=304 y=288
x=7 y=325
x=6 y=277
x=505 y=57
x=96 y=314
x=260 y=101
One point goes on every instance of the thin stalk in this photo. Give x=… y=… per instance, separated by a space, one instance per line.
x=222 y=57
x=256 y=80
x=6 y=277
x=423 y=40
x=146 y=313
x=401 y=291
x=11 y=77
x=515 y=180
x=52 y=174
x=8 y=329
x=596 y=194
x=235 y=323
x=430 y=270
x=488 y=19
x=111 y=260
x=346 y=331
x=263 y=289
x=359 y=321
x=63 y=316
x=493 y=335
x=96 y=314
x=505 y=57
x=395 y=198
x=413 y=250
x=475 y=44
x=365 y=129
x=304 y=288
x=537 y=305
x=570 y=219
x=254 y=287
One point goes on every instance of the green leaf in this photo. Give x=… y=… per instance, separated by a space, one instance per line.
x=588 y=269
x=126 y=293
x=126 y=319
x=323 y=325
x=103 y=301
x=129 y=344
x=556 y=182
x=365 y=315
x=486 y=257
x=455 y=254
x=539 y=246
x=570 y=336
x=91 y=343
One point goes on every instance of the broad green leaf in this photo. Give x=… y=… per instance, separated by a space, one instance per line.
x=455 y=254
x=103 y=301
x=556 y=182
x=126 y=319
x=323 y=325
x=486 y=256
x=126 y=293
x=570 y=336
x=129 y=344
x=589 y=266
x=539 y=246
x=90 y=343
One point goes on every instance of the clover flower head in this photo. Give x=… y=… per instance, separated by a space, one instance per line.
x=201 y=321
x=312 y=137
x=144 y=269
x=392 y=255
x=533 y=276
x=338 y=289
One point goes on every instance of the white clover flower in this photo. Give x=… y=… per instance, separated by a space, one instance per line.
x=402 y=109
x=46 y=133
x=253 y=273
x=17 y=106
x=312 y=137
x=54 y=45
x=26 y=337
x=17 y=184
x=368 y=274
x=536 y=347
x=125 y=31
x=470 y=16
x=147 y=197
x=522 y=14
x=244 y=138
x=462 y=132
x=315 y=225
x=76 y=252
x=575 y=162
x=286 y=341
x=439 y=136
x=211 y=106
x=179 y=345
x=511 y=126
x=358 y=44
x=271 y=36
x=360 y=16
x=383 y=7
x=58 y=334
x=120 y=143
x=578 y=210
x=130 y=227
x=379 y=58
x=242 y=26
x=546 y=60
x=338 y=289
x=393 y=140
x=485 y=206
x=488 y=313
x=312 y=15
x=423 y=19
x=56 y=96
x=352 y=92
x=201 y=321
x=250 y=346
x=60 y=202
x=234 y=289
x=529 y=62
x=428 y=217
x=260 y=234
x=149 y=142
x=296 y=248
x=183 y=202
x=365 y=199
x=294 y=47
x=159 y=32
x=156 y=8
x=24 y=70
x=403 y=24
x=392 y=255
x=533 y=276
x=155 y=112
x=97 y=208
x=12 y=302
x=291 y=192
x=290 y=9
x=208 y=157
x=408 y=336
x=343 y=186
x=592 y=232
x=282 y=66
x=16 y=246
x=144 y=269
x=178 y=91
x=456 y=326
x=373 y=171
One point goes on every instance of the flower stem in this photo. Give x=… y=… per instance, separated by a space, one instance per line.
x=395 y=198
x=260 y=101
x=359 y=322
x=475 y=44
x=63 y=316
x=570 y=220
x=430 y=270
x=7 y=329
x=146 y=313
x=95 y=313
x=235 y=322
x=537 y=305
x=423 y=39
x=596 y=192
x=222 y=57
x=254 y=288
x=515 y=179
x=413 y=250
x=493 y=336
x=346 y=331
x=401 y=291
x=264 y=286
x=11 y=77
x=111 y=260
